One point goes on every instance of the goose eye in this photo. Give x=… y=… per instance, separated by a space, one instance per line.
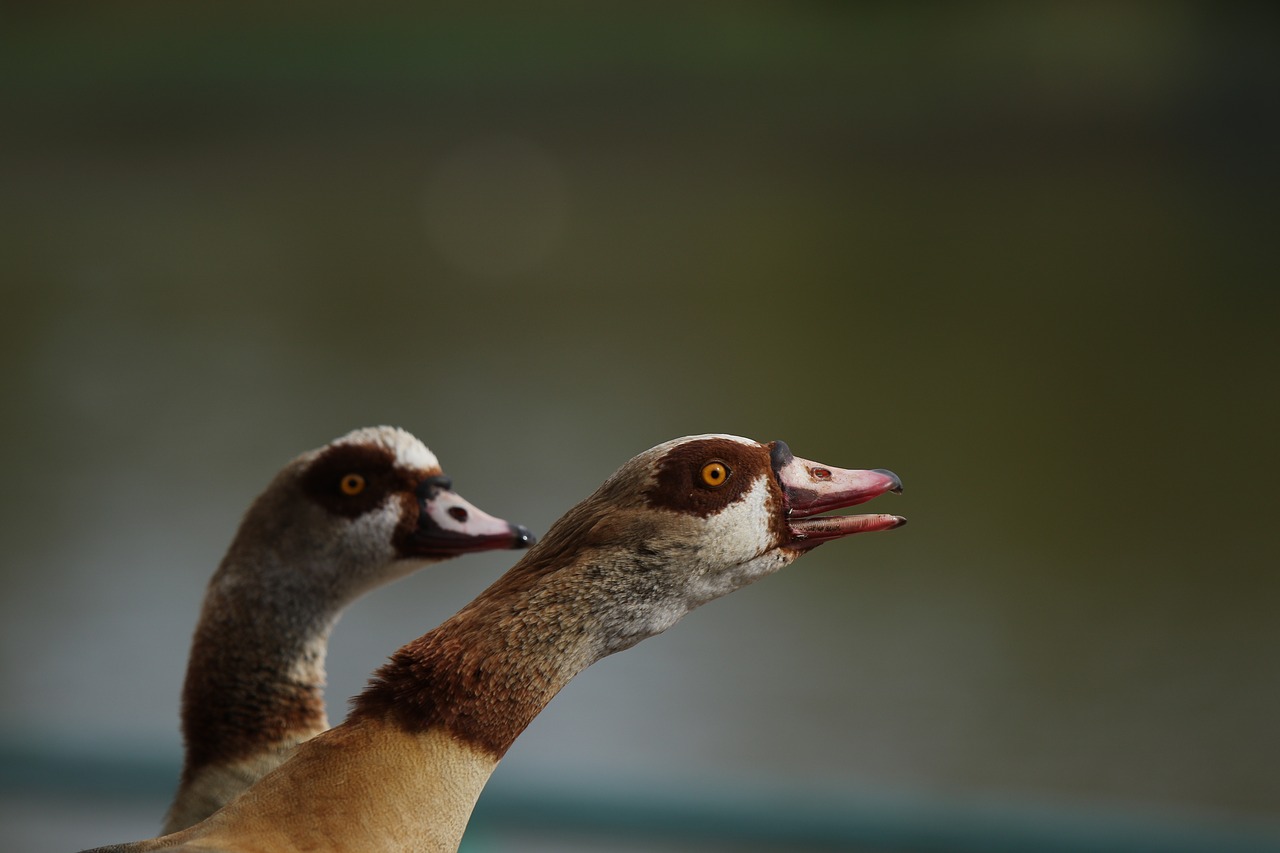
x=714 y=474
x=352 y=484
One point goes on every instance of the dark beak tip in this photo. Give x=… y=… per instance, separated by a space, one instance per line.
x=524 y=537
x=896 y=488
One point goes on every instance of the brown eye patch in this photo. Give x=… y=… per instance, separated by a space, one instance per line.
x=703 y=477
x=352 y=479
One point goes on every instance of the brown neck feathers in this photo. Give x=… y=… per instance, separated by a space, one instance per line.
x=251 y=685
x=490 y=669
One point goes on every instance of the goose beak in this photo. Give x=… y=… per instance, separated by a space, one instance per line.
x=810 y=488
x=449 y=525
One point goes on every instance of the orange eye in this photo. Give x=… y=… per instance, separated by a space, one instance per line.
x=352 y=484
x=714 y=474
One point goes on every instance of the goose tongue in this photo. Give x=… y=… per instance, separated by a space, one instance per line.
x=810 y=488
x=449 y=524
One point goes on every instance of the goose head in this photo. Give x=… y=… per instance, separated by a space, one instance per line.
x=707 y=515
x=684 y=523
x=365 y=509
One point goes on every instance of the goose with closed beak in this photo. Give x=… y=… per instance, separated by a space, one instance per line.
x=679 y=525
x=336 y=522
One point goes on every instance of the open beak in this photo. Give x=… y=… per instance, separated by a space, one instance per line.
x=449 y=525
x=810 y=488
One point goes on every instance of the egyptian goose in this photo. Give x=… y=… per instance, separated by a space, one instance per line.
x=677 y=526
x=360 y=512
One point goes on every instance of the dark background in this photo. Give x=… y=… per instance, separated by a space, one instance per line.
x=1023 y=254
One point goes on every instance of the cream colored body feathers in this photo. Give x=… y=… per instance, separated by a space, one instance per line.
x=367 y=787
x=214 y=786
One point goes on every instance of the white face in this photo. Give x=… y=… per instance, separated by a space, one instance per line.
x=700 y=517
x=366 y=509
x=738 y=546
x=361 y=554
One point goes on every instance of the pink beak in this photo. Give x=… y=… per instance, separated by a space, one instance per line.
x=810 y=488
x=449 y=525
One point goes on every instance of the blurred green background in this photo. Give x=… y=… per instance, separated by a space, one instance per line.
x=1023 y=254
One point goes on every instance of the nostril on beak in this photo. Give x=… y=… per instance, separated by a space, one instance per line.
x=457 y=513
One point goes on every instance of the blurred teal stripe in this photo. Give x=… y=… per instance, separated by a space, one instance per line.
x=781 y=819
x=900 y=824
